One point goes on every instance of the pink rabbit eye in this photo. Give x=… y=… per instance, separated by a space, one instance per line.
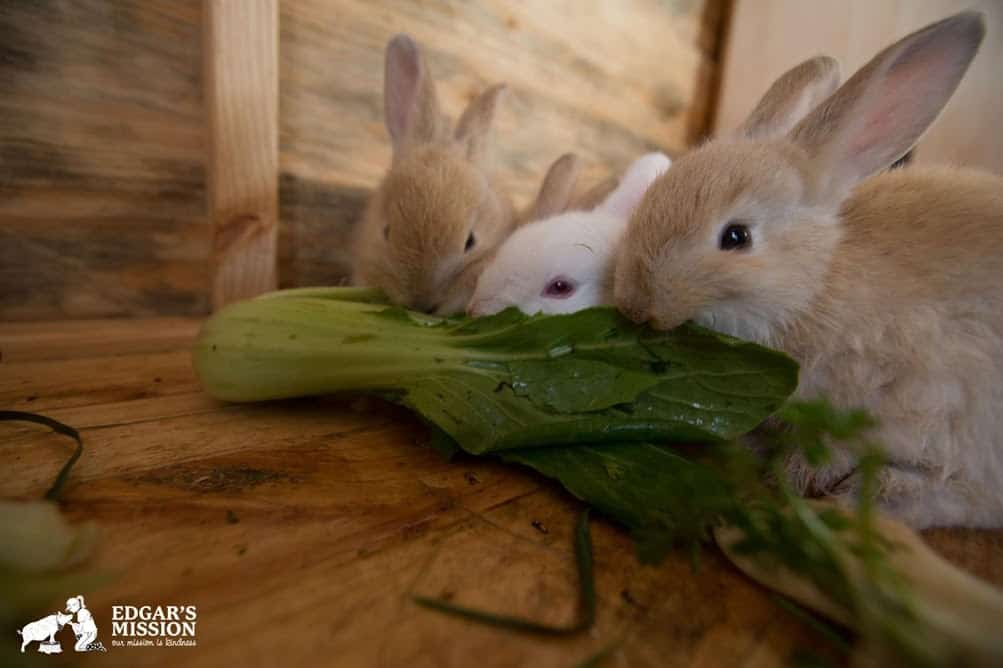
x=560 y=288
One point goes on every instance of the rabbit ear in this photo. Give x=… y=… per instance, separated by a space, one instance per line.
x=411 y=107
x=473 y=128
x=635 y=182
x=557 y=188
x=791 y=97
x=881 y=112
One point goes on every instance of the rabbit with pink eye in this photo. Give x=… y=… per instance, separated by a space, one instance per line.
x=438 y=214
x=885 y=287
x=564 y=263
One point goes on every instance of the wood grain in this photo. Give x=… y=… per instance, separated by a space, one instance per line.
x=609 y=80
x=102 y=196
x=241 y=52
x=769 y=36
x=104 y=130
x=300 y=528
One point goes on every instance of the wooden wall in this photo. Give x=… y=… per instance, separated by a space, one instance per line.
x=102 y=195
x=103 y=129
x=767 y=37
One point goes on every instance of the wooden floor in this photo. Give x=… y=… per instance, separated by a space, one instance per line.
x=300 y=528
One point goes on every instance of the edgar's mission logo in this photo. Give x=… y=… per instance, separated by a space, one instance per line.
x=44 y=630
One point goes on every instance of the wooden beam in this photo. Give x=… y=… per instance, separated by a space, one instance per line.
x=242 y=91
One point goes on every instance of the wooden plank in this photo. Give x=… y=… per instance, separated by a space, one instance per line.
x=103 y=131
x=38 y=341
x=50 y=384
x=301 y=528
x=769 y=36
x=609 y=80
x=102 y=198
x=242 y=104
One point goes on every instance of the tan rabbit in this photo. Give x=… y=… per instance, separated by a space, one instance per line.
x=559 y=191
x=886 y=289
x=438 y=213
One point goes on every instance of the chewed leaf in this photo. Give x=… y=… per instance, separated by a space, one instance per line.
x=577 y=385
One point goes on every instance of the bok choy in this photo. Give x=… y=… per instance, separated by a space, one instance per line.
x=502 y=382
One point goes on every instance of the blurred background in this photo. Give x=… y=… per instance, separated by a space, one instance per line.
x=103 y=133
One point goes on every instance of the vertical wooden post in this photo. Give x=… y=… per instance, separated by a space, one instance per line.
x=242 y=92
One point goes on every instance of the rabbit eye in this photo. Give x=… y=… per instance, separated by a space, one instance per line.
x=560 y=288
x=470 y=242
x=736 y=236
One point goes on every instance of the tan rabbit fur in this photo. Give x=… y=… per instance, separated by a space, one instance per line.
x=438 y=214
x=885 y=289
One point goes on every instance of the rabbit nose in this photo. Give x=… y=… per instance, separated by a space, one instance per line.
x=424 y=304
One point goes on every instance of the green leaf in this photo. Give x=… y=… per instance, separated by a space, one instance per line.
x=503 y=382
x=578 y=386
x=664 y=498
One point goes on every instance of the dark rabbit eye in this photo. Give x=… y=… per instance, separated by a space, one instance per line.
x=470 y=242
x=560 y=288
x=736 y=236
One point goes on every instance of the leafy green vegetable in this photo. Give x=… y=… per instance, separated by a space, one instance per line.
x=665 y=499
x=580 y=398
x=503 y=382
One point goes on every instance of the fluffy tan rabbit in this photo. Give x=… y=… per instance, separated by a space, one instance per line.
x=886 y=289
x=437 y=214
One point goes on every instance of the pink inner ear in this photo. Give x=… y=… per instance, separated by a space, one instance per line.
x=893 y=119
x=403 y=72
x=906 y=100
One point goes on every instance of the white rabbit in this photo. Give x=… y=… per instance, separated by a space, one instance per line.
x=564 y=263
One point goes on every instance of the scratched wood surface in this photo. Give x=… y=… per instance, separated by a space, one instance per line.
x=102 y=179
x=300 y=528
x=104 y=127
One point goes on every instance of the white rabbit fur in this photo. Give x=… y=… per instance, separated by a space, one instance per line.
x=577 y=247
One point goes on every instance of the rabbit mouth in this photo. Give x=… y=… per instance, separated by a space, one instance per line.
x=738 y=320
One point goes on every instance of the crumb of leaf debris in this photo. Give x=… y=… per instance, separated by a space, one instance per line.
x=231 y=517
x=471 y=478
x=540 y=526
x=629 y=599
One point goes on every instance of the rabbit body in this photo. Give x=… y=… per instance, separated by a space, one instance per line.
x=884 y=288
x=438 y=214
x=913 y=332
x=564 y=263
